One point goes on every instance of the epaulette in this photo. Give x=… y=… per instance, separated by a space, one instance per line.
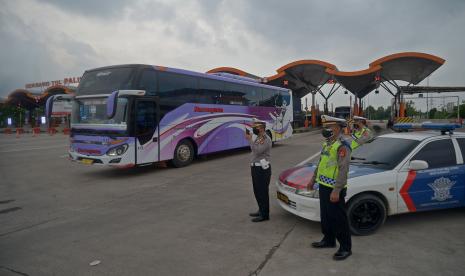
x=345 y=143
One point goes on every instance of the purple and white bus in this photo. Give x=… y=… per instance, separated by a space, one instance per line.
x=131 y=115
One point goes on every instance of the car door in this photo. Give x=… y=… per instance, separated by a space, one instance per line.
x=438 y=186
x=460 y=188
x=147 y=134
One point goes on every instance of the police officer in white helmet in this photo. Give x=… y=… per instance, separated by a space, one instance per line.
x=331 y=177
x=361 y=134
x=260 y=169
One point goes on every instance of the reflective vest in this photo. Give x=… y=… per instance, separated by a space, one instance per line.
x=356 y=135
x=327 y=167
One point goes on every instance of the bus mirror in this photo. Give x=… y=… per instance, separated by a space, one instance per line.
x=48 y=107
x=111 y=104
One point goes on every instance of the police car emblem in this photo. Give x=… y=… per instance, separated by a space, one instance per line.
x=441 y=188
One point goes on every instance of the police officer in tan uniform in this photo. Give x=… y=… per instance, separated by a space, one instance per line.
x=331 y=177
x=260 y=169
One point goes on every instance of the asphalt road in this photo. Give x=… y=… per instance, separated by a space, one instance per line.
x=56 y=217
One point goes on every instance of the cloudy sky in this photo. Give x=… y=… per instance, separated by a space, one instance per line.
x=42 y=40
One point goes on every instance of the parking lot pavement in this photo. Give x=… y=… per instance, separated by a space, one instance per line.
x=57 y=217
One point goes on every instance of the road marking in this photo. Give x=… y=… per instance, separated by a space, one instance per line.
x=308 y=159
x=27 y=149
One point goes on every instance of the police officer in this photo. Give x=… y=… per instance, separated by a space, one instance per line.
x=360 y=133
x=260 y=169
x=331 y=177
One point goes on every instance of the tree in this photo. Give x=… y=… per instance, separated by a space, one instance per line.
x=410 y=110
x=370 y=112
x=432 y=113
x=380 y=113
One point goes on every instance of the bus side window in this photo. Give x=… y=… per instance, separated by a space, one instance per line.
x=270 y=97
x=234 y=94
x=176 y=89
x=253 y=95
x=209 y=91
x=148 y=82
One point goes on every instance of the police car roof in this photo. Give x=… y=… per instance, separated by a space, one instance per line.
x=420 y=135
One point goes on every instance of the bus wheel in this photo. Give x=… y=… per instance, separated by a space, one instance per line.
x=183 y=154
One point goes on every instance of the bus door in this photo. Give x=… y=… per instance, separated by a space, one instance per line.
x=147 y=132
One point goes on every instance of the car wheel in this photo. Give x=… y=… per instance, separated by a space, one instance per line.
x=183 y=154
x=366 y=214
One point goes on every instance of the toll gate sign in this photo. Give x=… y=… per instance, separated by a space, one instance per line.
x=62 y=108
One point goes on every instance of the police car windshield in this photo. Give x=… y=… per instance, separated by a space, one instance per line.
x=383 y=152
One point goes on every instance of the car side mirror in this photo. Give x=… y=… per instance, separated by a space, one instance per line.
x=417 y=165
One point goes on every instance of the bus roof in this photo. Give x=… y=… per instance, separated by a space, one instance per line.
x=191 y=73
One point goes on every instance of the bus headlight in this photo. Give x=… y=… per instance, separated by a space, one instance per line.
x=119 y=150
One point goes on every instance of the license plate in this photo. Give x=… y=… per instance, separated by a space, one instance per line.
x=283 y=197
x=87 y=161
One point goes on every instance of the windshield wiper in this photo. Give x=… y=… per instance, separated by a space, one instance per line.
x=375 y=163
x=96 y=132
x=357 y=158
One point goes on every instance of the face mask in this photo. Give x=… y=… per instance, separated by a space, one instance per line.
x=255 y=131
x=327 y=133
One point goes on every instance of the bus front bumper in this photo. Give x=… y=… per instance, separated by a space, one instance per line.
x=113 y=161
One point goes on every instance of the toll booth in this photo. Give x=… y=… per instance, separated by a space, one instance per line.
x=305 y=77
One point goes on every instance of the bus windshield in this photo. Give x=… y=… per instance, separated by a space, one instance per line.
x=105 y=81
x=92 y=111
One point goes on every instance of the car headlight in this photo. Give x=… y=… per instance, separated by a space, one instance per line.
x=119 y=150
x=308 y=193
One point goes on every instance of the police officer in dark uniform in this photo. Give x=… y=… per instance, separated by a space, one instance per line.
x=260 y=169
x=331 y=178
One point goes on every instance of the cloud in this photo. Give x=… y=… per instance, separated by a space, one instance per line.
x=33 y=53
x=99 y=9
x=52 y=39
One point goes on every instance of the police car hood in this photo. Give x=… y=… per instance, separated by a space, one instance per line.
x=298 y=177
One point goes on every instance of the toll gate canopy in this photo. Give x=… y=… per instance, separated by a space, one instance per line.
x=308 y=76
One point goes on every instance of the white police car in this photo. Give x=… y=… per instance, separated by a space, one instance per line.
x=395 y=173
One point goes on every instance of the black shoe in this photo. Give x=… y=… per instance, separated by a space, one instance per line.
x=256 y=214
x=260 y=219
x=323 y=244
x=342 y=255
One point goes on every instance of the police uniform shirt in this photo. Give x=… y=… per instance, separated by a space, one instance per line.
x=261 y=148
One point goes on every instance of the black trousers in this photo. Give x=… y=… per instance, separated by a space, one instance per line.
x=334 y=220
x=261 y=182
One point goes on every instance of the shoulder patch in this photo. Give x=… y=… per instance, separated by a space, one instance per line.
x=342 y=152
x=345 y=143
